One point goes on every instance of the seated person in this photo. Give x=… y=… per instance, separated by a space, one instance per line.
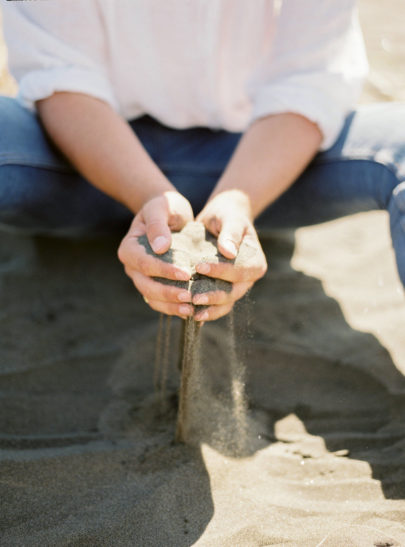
x=147 y=114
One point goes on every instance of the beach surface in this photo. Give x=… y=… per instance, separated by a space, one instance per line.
x=86 y=448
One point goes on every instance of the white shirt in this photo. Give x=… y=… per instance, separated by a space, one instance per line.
x=213 y=63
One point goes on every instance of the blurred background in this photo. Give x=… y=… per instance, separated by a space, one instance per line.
x=383 y=28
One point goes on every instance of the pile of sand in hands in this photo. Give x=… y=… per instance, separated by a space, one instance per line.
x=201 y=415
x=189 y=247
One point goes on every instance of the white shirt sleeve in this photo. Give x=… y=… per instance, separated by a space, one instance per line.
x=56 y=46
x=317 y=65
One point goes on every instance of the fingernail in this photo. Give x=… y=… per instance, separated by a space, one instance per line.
x=200 y=299
x=230 y=246
x=159 y=244
x=203 y=268
x=184 y=297
x=184 y=310
x=182 y=275
x=203 y=316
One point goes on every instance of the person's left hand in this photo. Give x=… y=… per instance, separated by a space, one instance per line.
x=228 y=217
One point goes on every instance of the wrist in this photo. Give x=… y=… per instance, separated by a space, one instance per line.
x=141 y=192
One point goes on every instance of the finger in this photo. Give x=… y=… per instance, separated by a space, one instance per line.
x=138 y=227
x=217 y=298
x=233 y=273
x=135 y=257
x=169 y=308
x=180 y=210
x=155 y=215
x=213 y=312
x=153 y=290
x=230 y=236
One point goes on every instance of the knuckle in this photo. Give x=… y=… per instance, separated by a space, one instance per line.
x=166 y=270
x=142 y=265
x=154 y=223
x=235 y=235
x=121 y=251
x=213 y=299
x=217 y=298
x=158 y=269
x=244 y=275
x=147 y=293
x=176 y=219
x=168 y=293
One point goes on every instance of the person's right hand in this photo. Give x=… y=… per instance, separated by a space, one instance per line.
x=157 y=219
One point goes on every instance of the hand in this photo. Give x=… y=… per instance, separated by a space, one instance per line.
x=227 y=216
x=157 y=218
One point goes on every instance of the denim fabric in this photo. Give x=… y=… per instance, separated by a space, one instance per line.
x=41 y=193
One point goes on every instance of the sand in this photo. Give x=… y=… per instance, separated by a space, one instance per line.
x=86 y=453
x=209 y=411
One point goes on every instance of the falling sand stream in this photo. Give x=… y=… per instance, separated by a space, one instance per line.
x=204 y=413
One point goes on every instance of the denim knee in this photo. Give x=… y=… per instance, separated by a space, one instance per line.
x=399 y=198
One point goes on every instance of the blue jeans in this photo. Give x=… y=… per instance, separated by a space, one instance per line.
x=41 y=193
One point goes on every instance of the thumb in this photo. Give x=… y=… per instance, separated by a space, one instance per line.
x=156 y=215
x=230 y=236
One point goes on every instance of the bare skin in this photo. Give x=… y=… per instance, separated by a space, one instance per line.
x=116 y=163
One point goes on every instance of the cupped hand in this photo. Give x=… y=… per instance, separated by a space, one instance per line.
x=228 y=217
x=157 y=219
